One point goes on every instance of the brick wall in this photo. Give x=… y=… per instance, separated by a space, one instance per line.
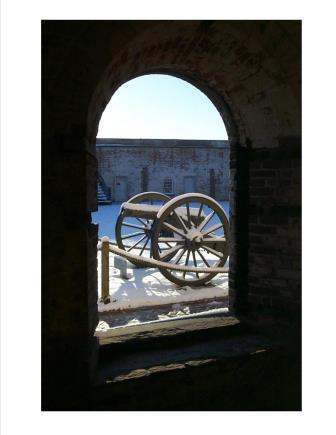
x=207 y=161
x=274 y=254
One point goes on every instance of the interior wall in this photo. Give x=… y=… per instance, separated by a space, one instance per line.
x=251 y=71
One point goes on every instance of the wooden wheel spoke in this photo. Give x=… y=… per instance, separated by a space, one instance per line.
x=188 y=215
x=172 y=228
x=195 y=262
x=186 y=263
x=213 y=251
x=213 y=228
x=169 y=239
x=199 y=214
x=144 y=246
x=206 y=220
x=136 y=243
x=185 y=229
x=128 y=236
x=133 y=226
x=203 y=258
x=180 y=256
x=141 y=221
x=215 y=239
x=170 y=251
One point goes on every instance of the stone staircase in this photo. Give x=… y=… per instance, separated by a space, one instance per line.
x=101 y=195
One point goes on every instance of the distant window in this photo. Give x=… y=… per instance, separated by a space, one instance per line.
x=168 y=185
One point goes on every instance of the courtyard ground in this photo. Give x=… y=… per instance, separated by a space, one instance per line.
x=147 y=296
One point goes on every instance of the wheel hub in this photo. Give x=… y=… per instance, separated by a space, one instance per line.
x=194 y=238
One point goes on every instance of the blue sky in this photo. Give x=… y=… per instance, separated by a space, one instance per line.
x=163 y=107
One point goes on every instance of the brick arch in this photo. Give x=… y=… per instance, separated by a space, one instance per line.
x=231 y=63
x=175 y=71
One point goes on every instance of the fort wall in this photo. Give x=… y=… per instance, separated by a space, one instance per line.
x=131 y=166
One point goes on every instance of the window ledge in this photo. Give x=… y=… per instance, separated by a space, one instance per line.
x=174 y=345
x=168 y=328
x=134 y=362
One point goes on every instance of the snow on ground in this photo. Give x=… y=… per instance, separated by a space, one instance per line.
x=115 y=326
x=147 y=287
x=147 y=295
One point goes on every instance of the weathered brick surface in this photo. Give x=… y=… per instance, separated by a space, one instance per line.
x=275 y=229
x=206 y=161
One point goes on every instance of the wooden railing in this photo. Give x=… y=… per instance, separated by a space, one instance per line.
x=119 y=263
x=105 y=268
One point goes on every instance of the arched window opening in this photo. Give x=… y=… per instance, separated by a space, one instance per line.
x=160 y=134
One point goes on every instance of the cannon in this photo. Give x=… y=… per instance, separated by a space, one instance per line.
x=186 y=237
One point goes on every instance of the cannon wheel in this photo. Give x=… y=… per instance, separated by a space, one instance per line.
x=202 y=241
x=140 y=243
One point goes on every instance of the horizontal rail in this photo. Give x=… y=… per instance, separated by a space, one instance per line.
x=161 y=264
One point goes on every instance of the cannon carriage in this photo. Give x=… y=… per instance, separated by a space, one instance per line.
x=186 y=237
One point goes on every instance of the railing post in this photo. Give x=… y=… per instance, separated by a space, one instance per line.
x=105 y=270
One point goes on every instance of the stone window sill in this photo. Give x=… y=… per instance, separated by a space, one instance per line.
x=171 y=345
